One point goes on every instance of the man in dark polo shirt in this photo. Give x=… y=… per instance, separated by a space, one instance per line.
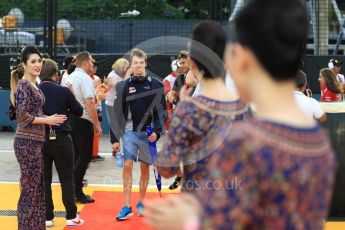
x=58 y=147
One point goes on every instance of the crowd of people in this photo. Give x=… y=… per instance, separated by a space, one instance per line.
x=239 y=166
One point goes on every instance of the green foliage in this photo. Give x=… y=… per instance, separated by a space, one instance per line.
x=154 y=9
x=197 y=9
x=95 y=9
x=32 y=9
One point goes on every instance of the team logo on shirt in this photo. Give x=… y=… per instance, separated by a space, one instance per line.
x=147 y=87
x=132 y=90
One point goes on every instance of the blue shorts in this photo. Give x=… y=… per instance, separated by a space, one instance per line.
x=136 y=147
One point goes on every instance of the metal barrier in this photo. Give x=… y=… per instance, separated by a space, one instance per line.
x=4 y=110
x=119 y=32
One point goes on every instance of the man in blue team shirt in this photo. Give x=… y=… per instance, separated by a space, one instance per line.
x=142 y=98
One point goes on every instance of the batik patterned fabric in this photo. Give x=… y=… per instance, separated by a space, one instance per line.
x=29 y=103
x=31 y=205
x=191 y=137
x=28 y=144
x=268 y=176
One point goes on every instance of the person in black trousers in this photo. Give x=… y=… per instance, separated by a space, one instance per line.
x=58 y=146
x=85 y=127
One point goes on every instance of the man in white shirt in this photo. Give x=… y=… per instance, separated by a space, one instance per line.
x=120 y=72
x=66 y=63
x=307 y=104
x=83 y=128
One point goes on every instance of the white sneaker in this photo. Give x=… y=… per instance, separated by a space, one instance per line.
x=75 y=222
x=49 y=223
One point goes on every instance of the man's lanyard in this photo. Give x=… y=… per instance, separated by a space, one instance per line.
x=52 y=134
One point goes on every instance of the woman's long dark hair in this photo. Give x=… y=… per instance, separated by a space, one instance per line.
x=330 y=80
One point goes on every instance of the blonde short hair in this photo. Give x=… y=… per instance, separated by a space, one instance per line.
x=119 y=66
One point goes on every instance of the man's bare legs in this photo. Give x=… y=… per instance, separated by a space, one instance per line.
x=127 y=181
x=144 y=180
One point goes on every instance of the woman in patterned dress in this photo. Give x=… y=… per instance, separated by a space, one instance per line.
x=198 y=119
x=272 y=172
x=28 y=141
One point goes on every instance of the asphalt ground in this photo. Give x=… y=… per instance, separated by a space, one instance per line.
x=99 y=173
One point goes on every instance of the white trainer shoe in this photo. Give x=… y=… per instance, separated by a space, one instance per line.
x=75 y=222
x=49 y=223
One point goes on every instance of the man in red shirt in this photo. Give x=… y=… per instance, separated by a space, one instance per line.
x=168 y=83
x=180 y=68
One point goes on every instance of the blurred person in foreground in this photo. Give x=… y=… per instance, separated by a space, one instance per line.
x=276 y=171
x=197 y=120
